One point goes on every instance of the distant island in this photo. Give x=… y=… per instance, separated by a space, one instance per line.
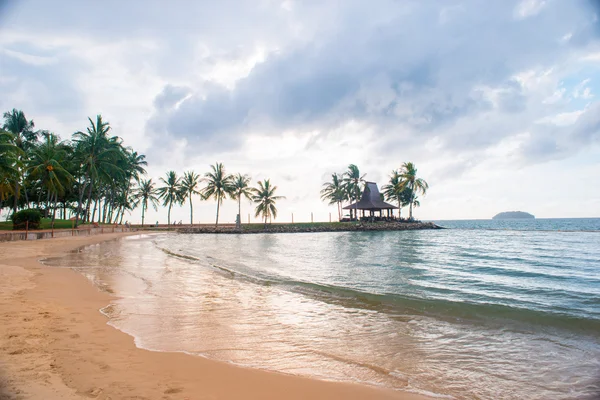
x=513 y=215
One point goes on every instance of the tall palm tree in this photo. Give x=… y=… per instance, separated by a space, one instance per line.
x=241 y=188
x=99 y=156
x=170 y=193
x=144 y=194
x=45 y=164
x=218 y=185
x=334 y=192
x=23 y=137
x=189 y=187
x=408 y=175
x=416 y=203
x=353 y=179
x=9 y=153
x=264 y=196
x=393 y=191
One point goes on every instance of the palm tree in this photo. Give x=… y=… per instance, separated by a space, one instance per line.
x=353 y=179
x=408 y=175
x=241 y=188
x=144 y=194
x=264 y=196
x=98 y=154
x=334 y=192
x=393 y=191
x=416 y=203
x=8 y=165
x=23 y=137
x=170 y=193
x=45 y=165
x=218 y=185
x=9 y=153
x=189 y=187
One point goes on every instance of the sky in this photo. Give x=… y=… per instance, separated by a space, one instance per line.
x=495 y=101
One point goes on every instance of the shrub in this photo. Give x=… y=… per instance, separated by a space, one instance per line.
x=20 y=219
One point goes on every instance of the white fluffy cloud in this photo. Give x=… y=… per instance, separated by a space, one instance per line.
x=494 y=101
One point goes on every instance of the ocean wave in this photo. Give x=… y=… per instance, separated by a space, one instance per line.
x=401 y=305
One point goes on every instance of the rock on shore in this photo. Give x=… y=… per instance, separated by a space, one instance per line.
x=315 y=227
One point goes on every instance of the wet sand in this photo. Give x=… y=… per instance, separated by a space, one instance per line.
x=54 y=343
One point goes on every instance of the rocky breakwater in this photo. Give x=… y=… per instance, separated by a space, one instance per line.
x=314 y=227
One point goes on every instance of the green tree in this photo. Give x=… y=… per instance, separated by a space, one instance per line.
x=410 y=181
x=45 y=164
x=264 y=196
x=146 y=193
x=23 y=137
x=353 y=179
x=334 y=192
x=170 y=193
x=189 y=187
x=394 y=192
x=8 y=165
x=99 y=156
x=241 y=188
x=218 y=185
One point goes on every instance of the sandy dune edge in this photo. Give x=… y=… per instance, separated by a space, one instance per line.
x=54 y=344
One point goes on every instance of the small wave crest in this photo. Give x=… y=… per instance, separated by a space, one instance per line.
x=406 y=305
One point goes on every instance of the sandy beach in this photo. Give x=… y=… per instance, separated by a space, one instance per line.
x=54 y=343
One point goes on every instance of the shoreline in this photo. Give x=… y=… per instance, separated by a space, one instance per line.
x=55 y=343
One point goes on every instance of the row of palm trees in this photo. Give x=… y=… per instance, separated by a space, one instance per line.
x=217 y=185
x=403 y=187
x=92 y=174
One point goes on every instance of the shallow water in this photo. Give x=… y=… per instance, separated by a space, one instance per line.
x=467 y=313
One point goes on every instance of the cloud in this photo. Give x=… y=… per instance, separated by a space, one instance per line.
x=415 y=68
x=528 y=8
x=295 y=90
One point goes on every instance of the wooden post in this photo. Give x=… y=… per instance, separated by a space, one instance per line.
x=311 y=217
x=292 y=218
x=26 y=229
x=248 y=218
x=329 y=217
x=53 y=230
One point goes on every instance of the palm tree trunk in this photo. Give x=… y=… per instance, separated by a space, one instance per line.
x=240 y=209
x=169 y=216
x=54 y=209
x=143 y=209
x=79 y=204
x=191 y=211
x=399 y=207
x=94 y=212
x=89 y=199
x=16 y=202
x=218 y=203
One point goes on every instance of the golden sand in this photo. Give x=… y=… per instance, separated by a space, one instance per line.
x=55 y=344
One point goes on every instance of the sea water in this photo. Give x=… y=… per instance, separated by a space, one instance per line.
x=483 y=310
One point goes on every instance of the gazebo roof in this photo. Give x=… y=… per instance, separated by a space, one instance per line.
x=371 y=200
